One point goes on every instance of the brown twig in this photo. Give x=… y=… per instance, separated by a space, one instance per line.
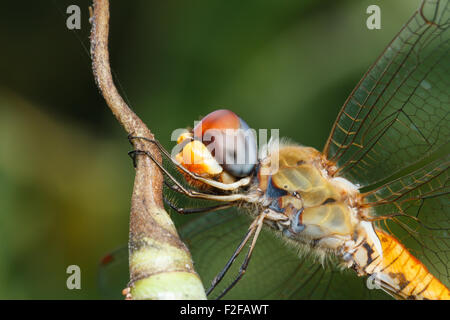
x=160 y=264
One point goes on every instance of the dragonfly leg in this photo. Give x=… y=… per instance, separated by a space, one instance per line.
x=132 y=155
x=178 y=187
x=197 y=210
x=222 y=273
x=243 y=268
x=216 y=184
x=254 y=228
x=236 y=197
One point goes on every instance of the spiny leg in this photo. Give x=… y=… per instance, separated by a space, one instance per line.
x=132 y=155
x=236 y=197
x=222 y=273
x=216 y=184
x=244 y=265
x=197 y=210
x=178 y=187
x=236 y=252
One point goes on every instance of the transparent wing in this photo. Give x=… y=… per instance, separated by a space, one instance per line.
x=416 y=209
x=113 y=274
x=275 y=271
x=398 y=114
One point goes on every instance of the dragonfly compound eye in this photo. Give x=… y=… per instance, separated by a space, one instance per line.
x=230 y=140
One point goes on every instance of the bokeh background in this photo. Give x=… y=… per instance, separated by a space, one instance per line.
x=65 y=177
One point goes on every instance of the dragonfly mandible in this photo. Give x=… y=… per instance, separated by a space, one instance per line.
x=374 y=201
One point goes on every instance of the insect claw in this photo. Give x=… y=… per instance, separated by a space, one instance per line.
x=133 y=154
x=130 y=137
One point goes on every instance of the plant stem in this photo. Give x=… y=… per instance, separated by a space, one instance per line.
x=160 y=263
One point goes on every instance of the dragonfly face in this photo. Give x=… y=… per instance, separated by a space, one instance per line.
x=375 y=200
x=221 y=145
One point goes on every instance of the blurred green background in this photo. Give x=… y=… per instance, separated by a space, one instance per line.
x=65 y=177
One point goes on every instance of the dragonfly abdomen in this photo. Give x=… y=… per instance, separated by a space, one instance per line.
x=398 y=272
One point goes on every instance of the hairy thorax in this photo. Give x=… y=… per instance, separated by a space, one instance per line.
x=311 y=207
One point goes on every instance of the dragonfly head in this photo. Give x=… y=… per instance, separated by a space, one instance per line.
x=220 y=144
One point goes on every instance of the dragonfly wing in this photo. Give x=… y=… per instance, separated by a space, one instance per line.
x=398 y=113
x=276 y=271
x=416 y=209
x=113 y=275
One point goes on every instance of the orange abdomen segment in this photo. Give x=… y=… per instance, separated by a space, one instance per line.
x=410 y=278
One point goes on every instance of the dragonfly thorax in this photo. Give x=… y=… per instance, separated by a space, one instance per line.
x=311 y=207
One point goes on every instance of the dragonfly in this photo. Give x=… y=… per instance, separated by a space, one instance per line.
x=372 y=205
